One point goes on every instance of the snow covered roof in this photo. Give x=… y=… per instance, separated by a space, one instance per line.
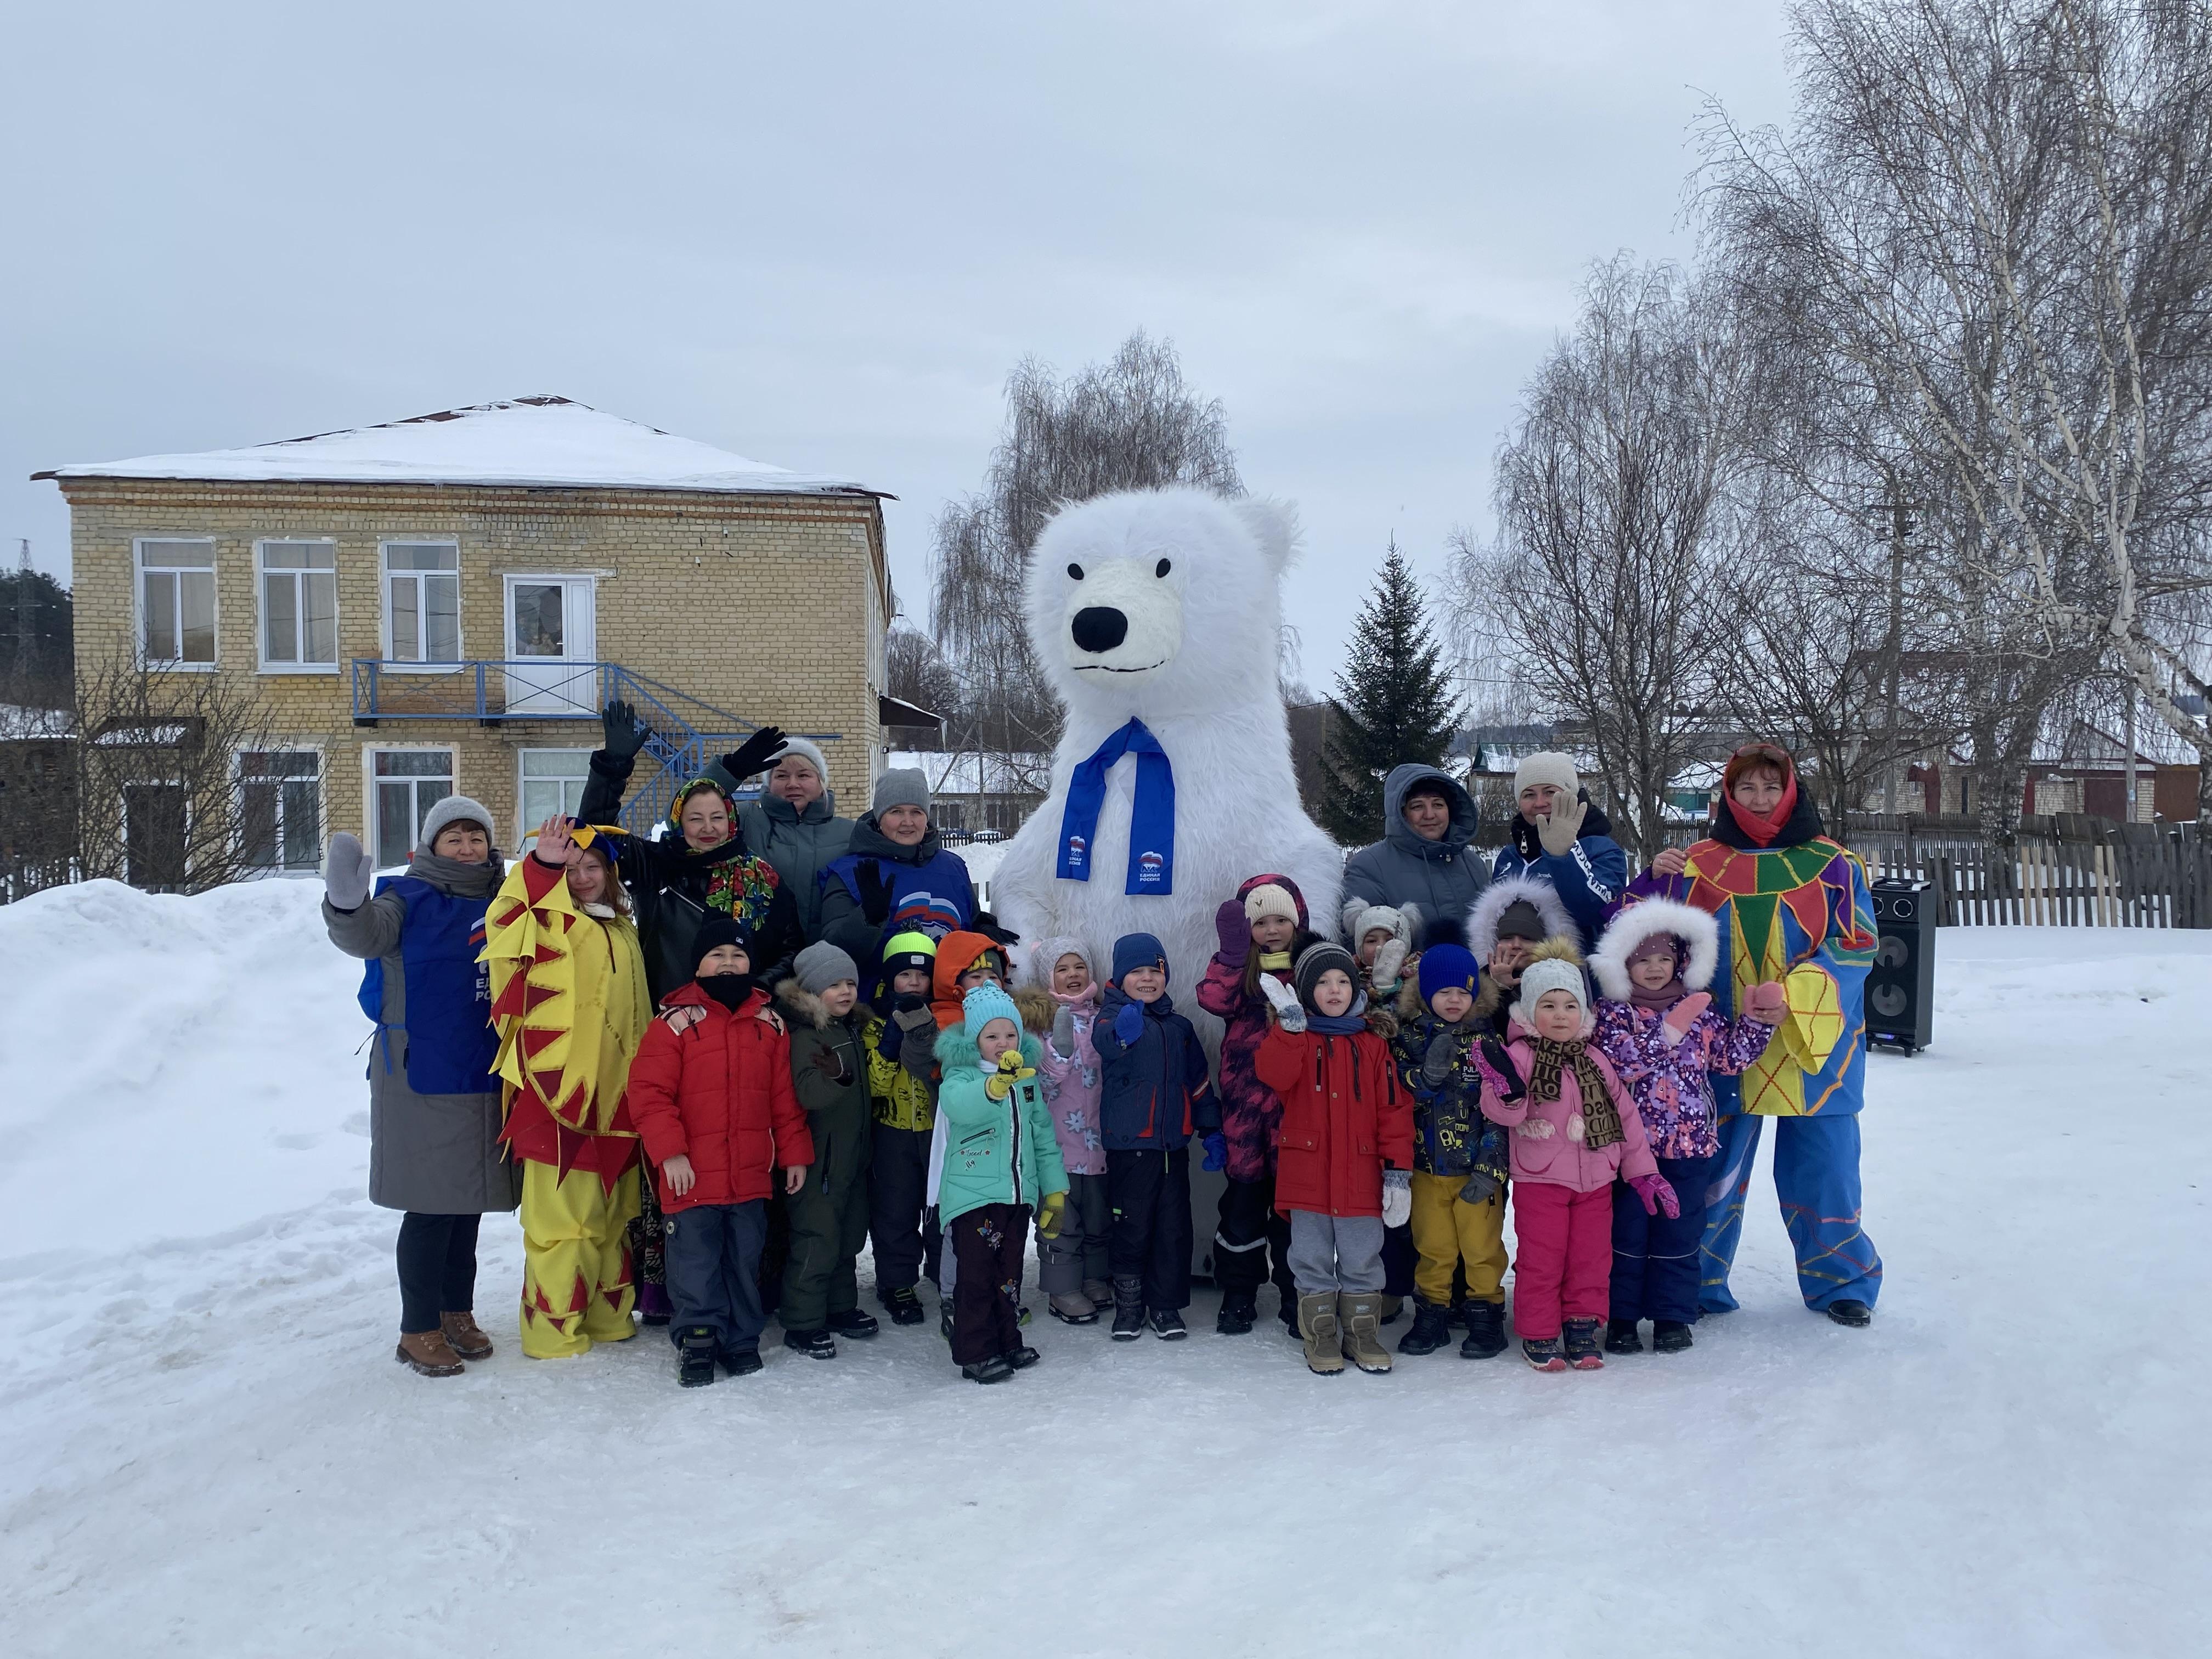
x=18 y=723
x=531 y=442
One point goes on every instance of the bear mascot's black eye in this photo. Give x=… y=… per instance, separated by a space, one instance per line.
x=1161 y=569
x=1076 y=571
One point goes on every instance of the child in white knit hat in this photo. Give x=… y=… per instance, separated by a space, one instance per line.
x=1384 y=938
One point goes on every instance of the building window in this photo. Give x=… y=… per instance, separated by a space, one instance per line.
x=422 y=602
x=280 y=809
x=409 y=783
x=299 y=604
x=552 y=781
x=176 y=604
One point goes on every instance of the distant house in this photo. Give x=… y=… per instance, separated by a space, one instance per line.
x=442 y=605
x=985 y=795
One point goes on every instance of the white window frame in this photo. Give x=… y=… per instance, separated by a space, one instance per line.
x=529 y=822
x=239 y=781
x=384 y=576
x=261 y=575
x=140 y=569
x=368 y=777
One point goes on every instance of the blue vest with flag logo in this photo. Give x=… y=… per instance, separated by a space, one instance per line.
x=450 y=1042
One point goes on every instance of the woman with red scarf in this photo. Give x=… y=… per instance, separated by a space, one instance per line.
x=1792 y=906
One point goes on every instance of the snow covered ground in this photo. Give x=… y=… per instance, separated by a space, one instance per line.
x=205 y=1447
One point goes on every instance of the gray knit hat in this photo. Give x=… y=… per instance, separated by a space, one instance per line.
x=821 y=965
x=903 y=785
x=451 y=809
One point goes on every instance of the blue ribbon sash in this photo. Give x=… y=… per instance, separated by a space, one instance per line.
x=1151 y=816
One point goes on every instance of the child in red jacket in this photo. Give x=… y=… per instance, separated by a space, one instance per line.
x=1345 y=1157
x=710 y=1093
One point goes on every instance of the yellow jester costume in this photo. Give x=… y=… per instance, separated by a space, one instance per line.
x=570 y=1005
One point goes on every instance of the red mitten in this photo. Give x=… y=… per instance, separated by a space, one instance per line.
x=1682 y=1016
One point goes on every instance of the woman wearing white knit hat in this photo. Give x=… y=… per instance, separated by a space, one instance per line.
x=1560 y=838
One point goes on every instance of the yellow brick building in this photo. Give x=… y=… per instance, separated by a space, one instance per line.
x=442 y=605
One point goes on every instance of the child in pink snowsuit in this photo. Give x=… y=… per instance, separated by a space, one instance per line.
x=1575 y=1128
x=1058 y=1004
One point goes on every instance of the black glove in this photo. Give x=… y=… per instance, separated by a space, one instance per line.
x=875 y=892
x=754 y=753
x=992 y=929
x=624 y=734
x=1501 y=1064
x=908 y=1003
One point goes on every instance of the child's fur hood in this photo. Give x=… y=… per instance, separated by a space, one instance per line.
x=1638 y=922
x=1038 y=1008
x=955 y=1048
x=1382 y=1021
x=1482 y=920
x=805 y=1009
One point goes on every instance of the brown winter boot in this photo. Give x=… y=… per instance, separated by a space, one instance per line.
x=429 y=1353
x=1363 y=1332
x=465 y=1336
x=1324 y=1338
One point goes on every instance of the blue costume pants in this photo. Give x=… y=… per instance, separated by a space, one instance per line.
x=1816 y=1176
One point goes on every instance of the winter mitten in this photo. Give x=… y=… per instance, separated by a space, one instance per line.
x=622 y=733
x=907 y=1003
x=1682 y=1016
x=1397 y=1198
x=754 y=753
x=1390 y=962
x=1217 y=1153
x=1437 y=1061
x=1063 y=1033
x=1657 y=1194
x=1481 y=1188
x=1000 y=1082
x=346 y=869
x=1285 y=1001
x=1049 y=1213
x=1558 y=832
x=1129 y=1023
x=1233 y=933
x=1768 y=998
x=1496 y=1066
x=875 y=892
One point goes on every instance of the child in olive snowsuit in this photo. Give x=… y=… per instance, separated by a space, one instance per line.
x=901 y=1035
x=1459 y=1158
x=829 y=1213
x=1002 y=1160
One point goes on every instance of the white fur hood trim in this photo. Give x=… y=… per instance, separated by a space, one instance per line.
x=1638 y=922
x=1492 y=904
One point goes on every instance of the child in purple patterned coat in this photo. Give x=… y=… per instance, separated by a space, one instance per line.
x=1058 y=1004
x=1655 y=1023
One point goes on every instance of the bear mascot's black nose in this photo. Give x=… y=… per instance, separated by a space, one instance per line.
x=1100 y=627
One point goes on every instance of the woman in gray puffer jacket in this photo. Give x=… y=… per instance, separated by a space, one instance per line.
x=1427 y=856
x=795 y=827
x=434 y=1103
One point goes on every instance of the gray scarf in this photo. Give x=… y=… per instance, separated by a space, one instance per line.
x=461 y=880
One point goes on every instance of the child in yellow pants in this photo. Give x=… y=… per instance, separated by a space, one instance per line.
x=1459 y=1175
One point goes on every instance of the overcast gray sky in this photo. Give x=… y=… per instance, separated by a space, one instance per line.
x=822 y=235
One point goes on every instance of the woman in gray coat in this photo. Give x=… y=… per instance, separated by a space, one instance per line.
x=1427 y=856
x=795 y=827
x=433 y=1110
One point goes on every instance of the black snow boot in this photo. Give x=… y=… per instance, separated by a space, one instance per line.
x=1167 y=1325
x=851 y=1323
x=1486 y=1330
x=903 y=1306
x=1020 y=1358
x=1857 y=1315
x=1430 y=1330
x=695 y=1358
x=945 y=1319
x=1581 y=1343
x=1669 y=1336
x=740 y=1362
x=1235 y=1319
x=1621 y=1337
x=1128 y=1308
x=815 y=1344
x=993 y=1370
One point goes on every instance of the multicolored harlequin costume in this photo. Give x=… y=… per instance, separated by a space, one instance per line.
x=569 y=1003
x=1794 y=909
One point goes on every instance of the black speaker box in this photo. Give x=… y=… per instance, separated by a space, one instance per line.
x=1900 y=986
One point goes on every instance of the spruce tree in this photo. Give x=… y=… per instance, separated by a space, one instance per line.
x=1394 y=703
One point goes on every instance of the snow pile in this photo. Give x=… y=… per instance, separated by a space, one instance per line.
x=526 y=440
x=207 y=1448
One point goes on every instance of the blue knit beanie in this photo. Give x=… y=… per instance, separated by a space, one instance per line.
x=983 y=1005
x=1138 y=950
x=1447 y=965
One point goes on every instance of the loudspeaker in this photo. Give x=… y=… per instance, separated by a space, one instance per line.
x=1900 y=986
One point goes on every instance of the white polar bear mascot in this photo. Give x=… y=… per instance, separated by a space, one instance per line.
x=1156 y=615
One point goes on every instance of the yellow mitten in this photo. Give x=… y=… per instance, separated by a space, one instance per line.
x=1000 y=1083
x=1049 y=1213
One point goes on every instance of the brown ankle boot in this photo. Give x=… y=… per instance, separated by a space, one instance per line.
x=429 y=1353
x=465 y=1336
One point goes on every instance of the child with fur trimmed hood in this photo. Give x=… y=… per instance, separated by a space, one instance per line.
x=1058 y=1005
x=1261 y=932
x=1385 y=939
x=1575 y=1128
x=1514 y=916
x=1656 y=1025
x=1345 y=1155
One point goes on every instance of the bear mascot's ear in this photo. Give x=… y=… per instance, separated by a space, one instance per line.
x=1274 y=525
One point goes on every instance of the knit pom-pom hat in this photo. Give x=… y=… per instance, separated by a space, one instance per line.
x=983 y=1005
x=1447 y=967
x=1555 y=966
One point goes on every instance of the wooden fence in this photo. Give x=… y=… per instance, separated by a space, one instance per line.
x=2069 y=871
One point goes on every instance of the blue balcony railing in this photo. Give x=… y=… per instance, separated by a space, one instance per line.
x=686 y=734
